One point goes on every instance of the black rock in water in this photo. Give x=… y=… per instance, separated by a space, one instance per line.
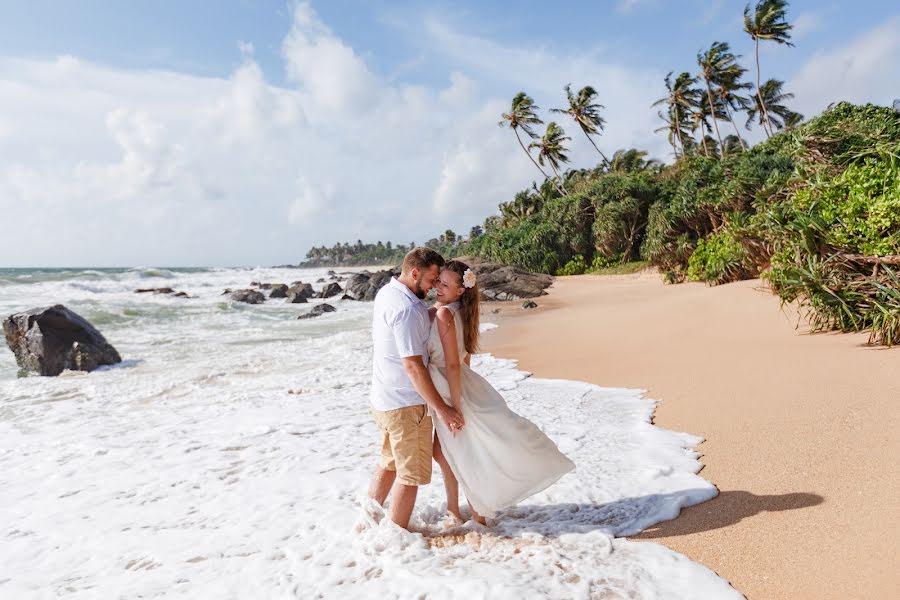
x=529 y=304
x=318 y=310
x=279 y=290
x=364 y=285
x=300 y=292
x=248 y=296
x=50 y=340
x=330 y=290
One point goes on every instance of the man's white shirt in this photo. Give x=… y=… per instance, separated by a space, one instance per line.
x=400 y=328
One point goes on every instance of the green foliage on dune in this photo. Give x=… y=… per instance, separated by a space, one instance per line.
x=815 y=209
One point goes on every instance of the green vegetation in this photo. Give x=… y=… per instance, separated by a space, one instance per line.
x=814 y=209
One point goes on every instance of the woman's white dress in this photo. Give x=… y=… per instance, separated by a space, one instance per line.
x=499 y=457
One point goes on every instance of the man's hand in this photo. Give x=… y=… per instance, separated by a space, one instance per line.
x=452 y=418
x=421 y=380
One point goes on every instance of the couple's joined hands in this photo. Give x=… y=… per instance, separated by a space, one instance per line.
x=452 y=418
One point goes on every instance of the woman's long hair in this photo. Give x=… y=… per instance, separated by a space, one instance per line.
x=469 y=307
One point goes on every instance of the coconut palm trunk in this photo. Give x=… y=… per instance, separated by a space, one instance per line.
x=762 y=104
x=712 y=110
x=678 y=129
x=736 y=131
x=557 y=181
x=606 y=160
x=525 y=150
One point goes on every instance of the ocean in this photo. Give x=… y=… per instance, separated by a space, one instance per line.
x=228 y=456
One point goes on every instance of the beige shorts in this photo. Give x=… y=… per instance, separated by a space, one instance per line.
x=406 y=442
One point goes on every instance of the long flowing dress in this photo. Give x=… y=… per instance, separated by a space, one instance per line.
x=499 y=457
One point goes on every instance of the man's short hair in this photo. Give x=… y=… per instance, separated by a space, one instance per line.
x=421 y=258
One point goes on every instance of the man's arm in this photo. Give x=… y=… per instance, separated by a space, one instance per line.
x=421 y=380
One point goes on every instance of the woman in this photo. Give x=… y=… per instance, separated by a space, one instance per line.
x=499 y=457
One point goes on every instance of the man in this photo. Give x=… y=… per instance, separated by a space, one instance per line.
x=401 y=385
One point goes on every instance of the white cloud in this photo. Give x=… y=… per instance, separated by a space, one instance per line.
x=104 y=166
x=865 y=70
x=807 y=23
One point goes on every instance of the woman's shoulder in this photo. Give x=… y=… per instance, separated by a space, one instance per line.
x=445 y=314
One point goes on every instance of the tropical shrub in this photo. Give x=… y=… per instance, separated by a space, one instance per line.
x=575 y=266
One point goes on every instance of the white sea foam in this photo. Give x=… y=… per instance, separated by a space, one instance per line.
x=228 y=456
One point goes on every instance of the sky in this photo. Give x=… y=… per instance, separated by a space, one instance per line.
x=243 y=132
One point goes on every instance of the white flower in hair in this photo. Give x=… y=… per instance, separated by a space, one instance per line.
x=469 y=278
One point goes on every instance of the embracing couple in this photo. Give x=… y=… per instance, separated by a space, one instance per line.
x=420 y=371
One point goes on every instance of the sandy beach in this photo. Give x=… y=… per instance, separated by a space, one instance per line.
x=800 y=428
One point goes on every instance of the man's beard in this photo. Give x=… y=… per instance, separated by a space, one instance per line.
x=419 y=292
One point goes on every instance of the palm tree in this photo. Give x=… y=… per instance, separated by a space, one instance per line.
x=671 y=129
x=767 y=106
x=727 y=93
x=552 y=150
x=768 y=21
x=631 y=160
x=682 y=100
x=714 y=64
x=733 y=144
x=698 y=120
x=522 y=115
x=585 y=112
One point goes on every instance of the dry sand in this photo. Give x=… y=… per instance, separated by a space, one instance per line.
x=800 y=428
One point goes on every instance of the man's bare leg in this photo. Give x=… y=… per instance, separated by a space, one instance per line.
x=402 y=503
x=381 y=483
x=451 y=485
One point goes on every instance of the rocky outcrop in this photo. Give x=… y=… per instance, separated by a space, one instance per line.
x=50 y=340
x=248 y=296
x=529 y=304
x=279 y=290
x=364 y=285
x=300 y=292
x=331 y=290
x=496 y=281
x=505 y=282
x=317 y=311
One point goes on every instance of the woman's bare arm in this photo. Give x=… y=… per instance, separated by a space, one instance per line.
x=468 y=360
x=447 y=331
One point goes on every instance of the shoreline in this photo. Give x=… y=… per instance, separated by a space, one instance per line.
x=799 y=428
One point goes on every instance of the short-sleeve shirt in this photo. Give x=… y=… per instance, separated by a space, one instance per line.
x=400 y=327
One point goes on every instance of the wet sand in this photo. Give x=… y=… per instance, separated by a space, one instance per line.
x=800 y=428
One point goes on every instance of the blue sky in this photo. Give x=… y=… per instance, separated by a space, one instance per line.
x=294 y=123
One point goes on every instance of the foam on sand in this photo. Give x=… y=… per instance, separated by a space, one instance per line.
x=239 y=473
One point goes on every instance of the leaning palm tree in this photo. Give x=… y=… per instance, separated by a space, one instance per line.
x=682 y=98
x=671 y=129
x=714 y=64
x=586 y=114
x=523 y=115
x=729 y=97
x=632 y=160
x=699 y=120
x=768 y=107
x=552 y=150
x=767 y=21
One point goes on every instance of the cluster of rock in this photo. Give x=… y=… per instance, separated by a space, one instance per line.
x=496 y=281
x=296 y=293
x=162 y=290
x=52 y=339
x=505 y=282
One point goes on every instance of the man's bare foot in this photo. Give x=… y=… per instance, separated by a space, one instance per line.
x=480 y=520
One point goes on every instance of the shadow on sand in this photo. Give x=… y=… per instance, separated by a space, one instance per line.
x=638 y=517
x=726 y=509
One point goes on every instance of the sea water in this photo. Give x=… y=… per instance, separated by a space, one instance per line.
x=228 y=455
